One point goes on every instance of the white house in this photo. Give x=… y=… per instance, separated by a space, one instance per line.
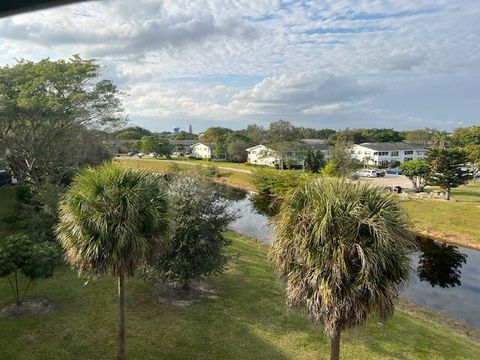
x=263 y=155
x=202 y=150
x=384 y=154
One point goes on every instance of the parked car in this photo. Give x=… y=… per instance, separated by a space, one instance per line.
x=153 y=154
x=394 y=171
x=6 y=178
x=370 y=173
x=131 y=153
x=140 y=155
x=380 y=173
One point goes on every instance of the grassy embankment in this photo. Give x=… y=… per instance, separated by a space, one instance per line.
x=454 y=221
x=245 y=319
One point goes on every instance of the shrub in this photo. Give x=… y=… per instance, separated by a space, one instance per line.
x=19 y=254
x=197 y=246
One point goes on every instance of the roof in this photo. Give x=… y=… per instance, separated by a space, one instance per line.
x=388 y=146
x=314 y=141
x=210 y=145
x=183 y=142
x=256 y=147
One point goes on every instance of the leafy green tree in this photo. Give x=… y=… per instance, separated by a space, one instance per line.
x=132 y=133
x=155 y=144
x=285 y=152
x=282 y=131
x=113 y=219
x=309 y=133
x=473 y=157
x=44 y=106
x=19 y=254
x=236 y=150
x=382 y=135
x=349 y=136
x=341 y=162
x=255 y=133
x=199 y=218
x=213 y=134
x=314 y=160
x=466 y=136
x=342 y=250
x=447 y=168
x=418 y=171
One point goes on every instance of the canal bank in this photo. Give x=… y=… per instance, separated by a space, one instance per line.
x=444 y=277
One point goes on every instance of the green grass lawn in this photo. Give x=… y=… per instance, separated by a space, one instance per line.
x=454 y=221
x=464 y=193
x=231 y=178
x=246 y=319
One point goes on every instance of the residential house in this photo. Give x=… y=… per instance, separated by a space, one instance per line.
x=182 y=147
x=386 y=154
x=261 y=155
x=204 y=150
x=264 y=155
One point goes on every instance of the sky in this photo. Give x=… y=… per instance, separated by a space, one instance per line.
x=324 y=64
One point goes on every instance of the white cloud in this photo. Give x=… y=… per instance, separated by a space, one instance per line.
x=230 y=59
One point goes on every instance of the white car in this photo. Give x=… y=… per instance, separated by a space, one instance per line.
x=370 y=173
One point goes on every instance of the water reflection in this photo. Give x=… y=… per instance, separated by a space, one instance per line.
x=441 y=278
x=265 y=205
x=440 y=263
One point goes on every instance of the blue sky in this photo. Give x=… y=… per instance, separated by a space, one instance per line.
x=401 y=64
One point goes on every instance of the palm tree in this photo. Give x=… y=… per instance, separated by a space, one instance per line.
x=113 y=219
x=342 y=250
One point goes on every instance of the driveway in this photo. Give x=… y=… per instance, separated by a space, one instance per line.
x=390 y=180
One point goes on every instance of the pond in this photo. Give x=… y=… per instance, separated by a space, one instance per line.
x=444 y=277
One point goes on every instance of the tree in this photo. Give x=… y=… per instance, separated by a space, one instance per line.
x=466 y=136
x=255 y=133
x=343 y=251
x=282 y=131
x=418 y=171
x=447 y=168
x=314 y=160
x=183 y=135
x=285 y=152
x=236 y=150
x=382 y=135
x=19 y=254
x=155 y=144
x=197 y=242
x=212 y=134
x=44 y=106
x=132 y=133
x=113 y=219
x=473 y=157
x=341 y=162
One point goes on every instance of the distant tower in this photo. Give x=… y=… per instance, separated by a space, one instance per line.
x=176 y=130
x=190 y=129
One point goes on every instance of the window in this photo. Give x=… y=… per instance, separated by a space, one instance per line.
x=383 y=153
x=408 y=159
x=394 y=153
x=419 y=152
x=408 y=152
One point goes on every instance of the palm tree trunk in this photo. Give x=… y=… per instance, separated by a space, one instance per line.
x=122 y=346
x=335 y=346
